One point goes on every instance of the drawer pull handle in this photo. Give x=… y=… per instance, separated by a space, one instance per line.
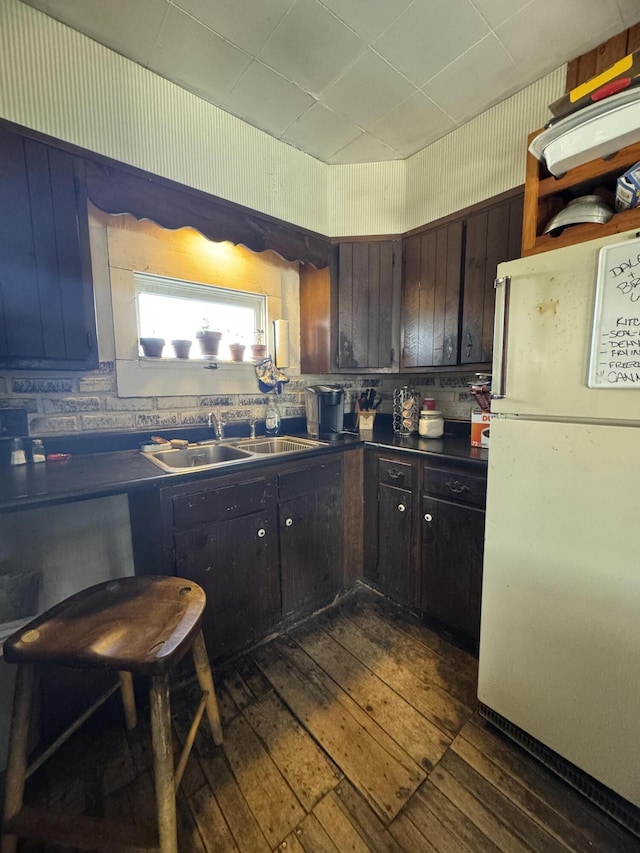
x=457 y=487
x=209 y=569
x=261 y=532
x=428 y=517
x=394 y=473
x=401 y=508
x=288 y=522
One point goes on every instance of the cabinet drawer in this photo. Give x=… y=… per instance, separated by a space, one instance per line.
x=459 y=486
x=393 y=473
x=219 y=504
x=310 y=479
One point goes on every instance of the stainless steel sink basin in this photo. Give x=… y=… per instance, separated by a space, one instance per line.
x=197 y=457
x=215 y=453
x=281 y=444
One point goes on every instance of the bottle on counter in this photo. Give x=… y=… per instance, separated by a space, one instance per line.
x=18 y=456
x=272 y=421
x=37 y=450
x=431 y=424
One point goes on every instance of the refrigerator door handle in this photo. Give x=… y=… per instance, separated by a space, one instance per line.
x=502 y=287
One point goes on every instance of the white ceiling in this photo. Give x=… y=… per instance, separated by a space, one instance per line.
x=349 y=81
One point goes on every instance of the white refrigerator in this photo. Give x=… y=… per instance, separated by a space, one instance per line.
x=560 y=632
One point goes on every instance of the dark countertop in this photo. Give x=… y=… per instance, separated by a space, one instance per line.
x=454 y=446
x=92 y=475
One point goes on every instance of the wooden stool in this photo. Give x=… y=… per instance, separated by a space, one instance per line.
x=135 y=625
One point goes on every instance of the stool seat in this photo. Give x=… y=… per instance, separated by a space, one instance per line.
x=142 y=625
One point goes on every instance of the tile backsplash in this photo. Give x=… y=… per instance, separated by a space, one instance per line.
x=88 y=402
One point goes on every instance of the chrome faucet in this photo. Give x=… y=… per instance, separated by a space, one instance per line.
x=215 y=425
x=252 y=428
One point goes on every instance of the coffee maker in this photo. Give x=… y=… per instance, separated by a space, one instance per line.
x=325 y=411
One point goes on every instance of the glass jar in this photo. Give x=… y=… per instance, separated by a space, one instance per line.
x=431 y=423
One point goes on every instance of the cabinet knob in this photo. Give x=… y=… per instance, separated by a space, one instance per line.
x=428 y=517
x=261 y=532
x=401 y=508
x=288 y=522
x=209 y=569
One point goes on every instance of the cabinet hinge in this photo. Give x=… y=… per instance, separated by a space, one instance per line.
x=89 y=341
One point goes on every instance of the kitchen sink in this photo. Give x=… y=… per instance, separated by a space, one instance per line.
x=283 y=444
x=197 y=457
x=212 y=454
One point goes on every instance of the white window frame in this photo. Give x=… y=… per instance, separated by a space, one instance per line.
x=182 y=289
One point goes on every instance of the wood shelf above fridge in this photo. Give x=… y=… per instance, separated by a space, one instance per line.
x=544 y=196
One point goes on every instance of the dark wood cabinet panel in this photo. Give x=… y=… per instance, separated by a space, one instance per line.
x=235 y=562
x=367 y=287
x=47 y=316
x=395 y=570
x=389 y=529
x=431 y=297
x=493 y=235
x=451 y=577
x=310 y=549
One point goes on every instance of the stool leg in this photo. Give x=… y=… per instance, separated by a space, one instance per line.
x=205 y=680
x=163 y=764
x=128 y=699
x=18 y=749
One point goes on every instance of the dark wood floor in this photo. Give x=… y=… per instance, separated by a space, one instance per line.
x=355 y=731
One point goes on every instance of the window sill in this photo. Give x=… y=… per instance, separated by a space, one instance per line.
x=176 y=377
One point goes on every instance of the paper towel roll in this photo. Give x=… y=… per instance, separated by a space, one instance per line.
x=281 y=342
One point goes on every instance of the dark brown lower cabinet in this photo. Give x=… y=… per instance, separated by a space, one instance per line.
x=452 y=545
x=264 y=544
x=424 y=536
x=236 y=563
x=389 y=547
x=311 y=523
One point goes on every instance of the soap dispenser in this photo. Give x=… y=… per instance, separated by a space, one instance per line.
x=272 y=420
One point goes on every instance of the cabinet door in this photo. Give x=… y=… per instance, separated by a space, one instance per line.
x=493 y=235
x=310 y=549
x=235 y=562
x=431 y=297
x=47 y=317
x=395 y=569
x=451 y=578
x=367 y=278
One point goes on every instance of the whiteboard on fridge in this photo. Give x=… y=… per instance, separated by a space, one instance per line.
x=615 y=344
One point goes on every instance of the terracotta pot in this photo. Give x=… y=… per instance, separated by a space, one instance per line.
x=181 y=348
x=209 y=342
x=237 y=351
x=152 y=347
x=258 y=351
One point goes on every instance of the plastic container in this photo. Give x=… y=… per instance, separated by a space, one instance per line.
x=431 y=424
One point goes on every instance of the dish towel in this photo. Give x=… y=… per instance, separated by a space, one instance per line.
x=269 y=377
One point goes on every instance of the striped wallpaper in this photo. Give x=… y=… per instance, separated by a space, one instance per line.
x=61 y=83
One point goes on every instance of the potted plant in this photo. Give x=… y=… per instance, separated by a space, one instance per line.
x=209 y=341
x=259 y=350
x=152 y=347
x=181 y=348
x=237 y=351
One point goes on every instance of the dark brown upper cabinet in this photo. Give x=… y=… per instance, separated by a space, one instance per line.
x=448 y=297
x=431 y=297
x=350 y=313
x=366 y=278
x=493 y=235
x=47 y=315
